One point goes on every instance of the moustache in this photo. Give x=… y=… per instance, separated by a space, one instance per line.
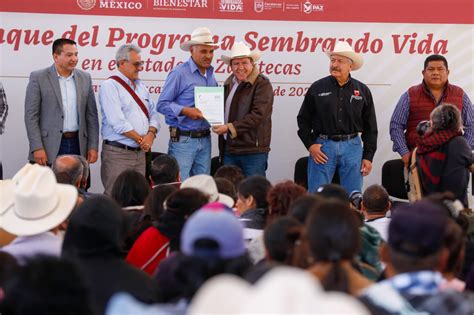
x=335 y=69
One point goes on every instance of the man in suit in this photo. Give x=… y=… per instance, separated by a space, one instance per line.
x=60 y=109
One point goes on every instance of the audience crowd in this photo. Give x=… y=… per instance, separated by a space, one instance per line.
x=226 y=244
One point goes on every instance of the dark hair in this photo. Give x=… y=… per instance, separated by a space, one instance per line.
x=454 y=241
x=375 y=199
x=446 y=117
x=333 y=235
x=280 y=197
x=280 y=239
x=185 y=201
x=59 y=43
x=435 y=58
x=230 y=172
x=46 y=285
x=303 y=206
x=164 y=169
x=8 y=268
x=154 y=203
x=225 y=186
x=192 y=272
x=130 y=189
x=403 y=263
x=257 y=187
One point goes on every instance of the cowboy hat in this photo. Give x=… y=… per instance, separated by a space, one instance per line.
x=240 y=50
x=207 y=185
x=345 y=50
x=39 y=202
x=200 y=36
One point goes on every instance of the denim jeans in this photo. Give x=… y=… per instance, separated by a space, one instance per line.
x=193 y=155
x=69 y=146
x=251 y=164
x=346 y=156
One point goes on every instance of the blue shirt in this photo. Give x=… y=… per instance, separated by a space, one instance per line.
x=398 y=122
x=178 y=92
x=120 y=112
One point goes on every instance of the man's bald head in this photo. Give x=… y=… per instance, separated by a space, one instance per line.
x=68 y=170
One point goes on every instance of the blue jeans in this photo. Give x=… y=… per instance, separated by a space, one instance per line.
x=251 y=164
x=69 y=146
x=346 y=156
x=193 y=155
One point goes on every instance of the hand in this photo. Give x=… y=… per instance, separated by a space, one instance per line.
x=318 y=156
x=92 y=156
x=366 y=167
x=406 y=159
x=220 y=129
x=147 y=142
x=192 y=112
x=40 y=157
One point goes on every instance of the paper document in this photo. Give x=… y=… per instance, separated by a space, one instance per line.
x=210 y=101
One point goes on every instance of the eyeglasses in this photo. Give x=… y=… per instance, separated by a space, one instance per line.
x=137 y=64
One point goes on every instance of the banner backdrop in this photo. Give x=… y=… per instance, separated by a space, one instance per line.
x=293 y=35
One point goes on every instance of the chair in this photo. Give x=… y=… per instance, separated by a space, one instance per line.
x=215 y=164
x=393 y=178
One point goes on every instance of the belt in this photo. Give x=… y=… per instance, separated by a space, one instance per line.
x=195 y=134
x=338 y=137
x=121 y=146
x=70 y=134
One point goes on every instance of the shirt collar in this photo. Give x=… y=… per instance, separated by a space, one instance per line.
x=349 y=79
x=194 y=67
x=60 y=76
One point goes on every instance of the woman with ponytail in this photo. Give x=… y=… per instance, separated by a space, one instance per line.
x=333 y=236
x=443 y=156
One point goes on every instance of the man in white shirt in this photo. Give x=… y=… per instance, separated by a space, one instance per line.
x=375 y=205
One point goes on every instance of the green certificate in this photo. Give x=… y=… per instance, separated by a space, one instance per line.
x=210 y=101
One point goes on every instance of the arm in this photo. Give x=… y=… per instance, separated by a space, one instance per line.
x=261 y=107
x=468 y=117
x=92 y=118
x=304 y=119
x=398 y=125
x=32 y=113
x=3 y=108
x=166 y=103
x=369 y=131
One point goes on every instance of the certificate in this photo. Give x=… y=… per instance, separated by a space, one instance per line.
x=210 y=101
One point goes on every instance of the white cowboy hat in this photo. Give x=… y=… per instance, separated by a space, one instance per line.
x=345 y=50
x=240 y=50
x=39 y=202
x=207 y=185
x=200 y=36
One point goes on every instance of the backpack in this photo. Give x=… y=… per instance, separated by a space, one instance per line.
x=415 y=191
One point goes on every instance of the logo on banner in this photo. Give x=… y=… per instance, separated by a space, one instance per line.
x=258 y=6
x=231 y=5
x=86 y=4
x=179 y=4
x=124 y=5
x=309 y=8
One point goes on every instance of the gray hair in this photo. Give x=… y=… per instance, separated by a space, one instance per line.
x=123 y=53
x=446 y=117
x=68 y=173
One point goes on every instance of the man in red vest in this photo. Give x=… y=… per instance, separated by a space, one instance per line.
x=417 y=103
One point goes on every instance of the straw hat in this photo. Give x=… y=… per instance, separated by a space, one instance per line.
x=345 y=50
x=240 y=50
x=200 y=36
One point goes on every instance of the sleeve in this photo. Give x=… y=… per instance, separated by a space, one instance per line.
x=369 y=131
x=262 y=106
x=110 y=102
x=92 y=118
x=305 y=118
x=467 y=117
x=166 y=103
x=3 y=109
x=398 y=125
x=32 y=113
x=154 y=115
